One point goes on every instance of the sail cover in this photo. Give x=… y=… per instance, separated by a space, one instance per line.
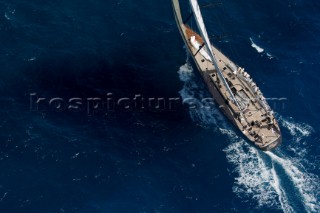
x=203 y=31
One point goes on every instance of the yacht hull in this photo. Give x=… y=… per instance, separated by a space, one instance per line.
x=255 y=122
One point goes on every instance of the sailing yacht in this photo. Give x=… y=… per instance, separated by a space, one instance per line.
x=231 y=86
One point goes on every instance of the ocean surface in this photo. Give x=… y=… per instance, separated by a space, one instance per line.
x=62 y=151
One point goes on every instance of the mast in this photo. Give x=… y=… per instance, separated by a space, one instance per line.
x=200 y=23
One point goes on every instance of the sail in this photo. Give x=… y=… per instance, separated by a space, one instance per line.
x=203 y=31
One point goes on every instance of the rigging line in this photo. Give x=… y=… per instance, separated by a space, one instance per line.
x=210 y=5
x=200 y=49
x=219 y=22
x=188 y=18
x=230 y=46
x=218 y=36
x=221 y=17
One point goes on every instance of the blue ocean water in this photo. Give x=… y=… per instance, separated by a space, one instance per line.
x=183 y=160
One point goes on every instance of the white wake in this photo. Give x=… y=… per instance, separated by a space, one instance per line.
x=9 y=13
x=256 y=47
x=306 y=183
x=260 y=49
x=193 y=94
x=257 y=172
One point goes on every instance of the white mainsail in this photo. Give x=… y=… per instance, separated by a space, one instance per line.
x=203 y=31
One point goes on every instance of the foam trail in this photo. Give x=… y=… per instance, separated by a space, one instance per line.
x=256 y=178
x=298 y=145
x=205 y=114
x=297 y=130
x=8 y=15
x=270 y=56
x=260 y=49
x=283 y=199
x=256 y=47
x=307 y=184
